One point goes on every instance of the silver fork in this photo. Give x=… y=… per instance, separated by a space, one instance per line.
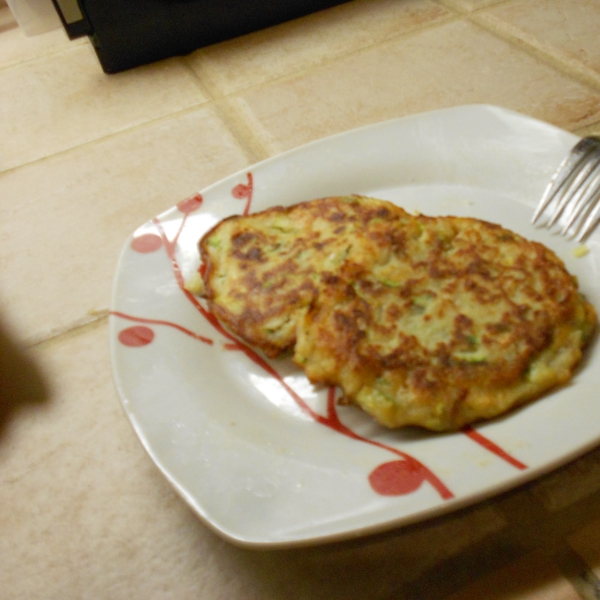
x=574 y=191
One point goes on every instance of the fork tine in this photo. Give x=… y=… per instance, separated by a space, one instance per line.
x=571 y=187
x=555 y=184
x=574 y=184
x=591 y=220
x=572 y=161
x=585 y=196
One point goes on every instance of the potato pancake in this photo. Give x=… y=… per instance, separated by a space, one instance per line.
x=429 y=321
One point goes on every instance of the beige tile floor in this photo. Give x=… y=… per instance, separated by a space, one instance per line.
x=85 y=158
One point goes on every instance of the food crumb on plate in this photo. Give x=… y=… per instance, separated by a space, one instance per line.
x=194 y=284
x=580 y=251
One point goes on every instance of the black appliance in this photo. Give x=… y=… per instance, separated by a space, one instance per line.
x=129 y=33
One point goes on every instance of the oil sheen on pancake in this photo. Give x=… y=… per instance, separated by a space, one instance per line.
x=430 y=321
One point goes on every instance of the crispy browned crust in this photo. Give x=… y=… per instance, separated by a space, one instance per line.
x=431 y=321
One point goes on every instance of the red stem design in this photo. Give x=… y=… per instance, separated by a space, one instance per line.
x=196 y=336
x=331 y=420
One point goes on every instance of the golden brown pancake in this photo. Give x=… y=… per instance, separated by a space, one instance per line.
x=430 y=321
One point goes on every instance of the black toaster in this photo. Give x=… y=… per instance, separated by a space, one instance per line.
x=129 y=33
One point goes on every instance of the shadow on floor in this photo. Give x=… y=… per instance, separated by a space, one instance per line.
x=21 y=381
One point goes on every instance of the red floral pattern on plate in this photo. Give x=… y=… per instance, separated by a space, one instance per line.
x=392 y=478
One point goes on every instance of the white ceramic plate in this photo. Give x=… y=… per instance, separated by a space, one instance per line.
x=262 y=456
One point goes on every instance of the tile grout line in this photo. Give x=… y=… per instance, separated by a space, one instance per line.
x=95 y=318
x=454 y=5
x=72 y=44
x=235 y=122
x=338 y=56
x=254 y=144
x=560 y=61
x=563 y=63
x=130 y=128
x=89 y=322
x=241 y=126
x=243 y=129
x=571 y=67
